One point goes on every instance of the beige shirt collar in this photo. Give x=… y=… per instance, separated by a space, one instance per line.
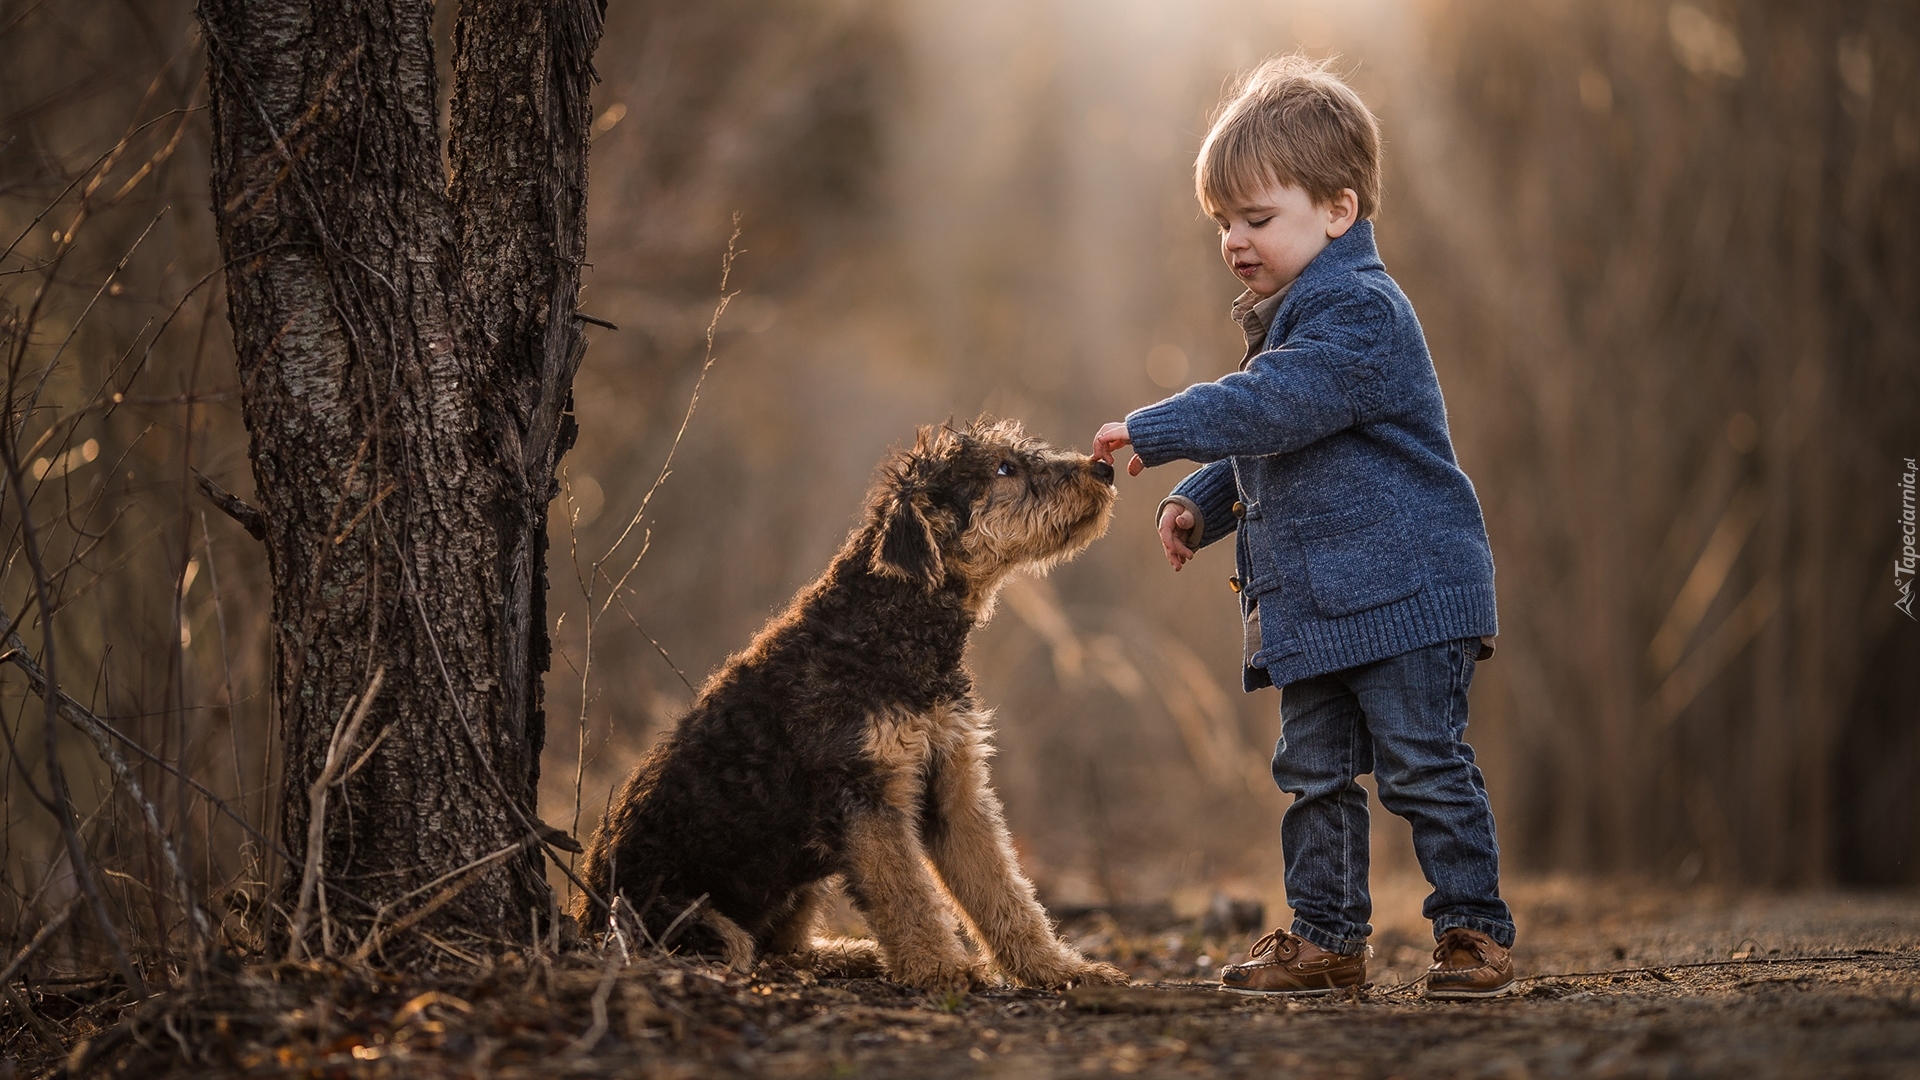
x=1255 y=316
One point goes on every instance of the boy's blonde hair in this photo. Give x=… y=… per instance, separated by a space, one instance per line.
x=1290 y=121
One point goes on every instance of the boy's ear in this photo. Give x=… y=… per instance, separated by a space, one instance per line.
x=906 y=549
x=1342 y=213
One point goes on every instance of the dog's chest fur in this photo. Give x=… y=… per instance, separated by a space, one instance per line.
x=907 y=746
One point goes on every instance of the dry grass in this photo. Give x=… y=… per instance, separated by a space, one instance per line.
x=1615 y=983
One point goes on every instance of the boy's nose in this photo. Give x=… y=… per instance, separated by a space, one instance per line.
x=1102 y=472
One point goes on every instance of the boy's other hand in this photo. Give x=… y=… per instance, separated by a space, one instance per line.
x=1112 y=437
x=1175 y=520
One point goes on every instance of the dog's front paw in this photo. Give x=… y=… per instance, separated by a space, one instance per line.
x=1071 y=969
x=940 y=975
x=1095 y=973
x=845 y=958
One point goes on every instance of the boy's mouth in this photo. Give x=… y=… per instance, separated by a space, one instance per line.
x=1246 y=269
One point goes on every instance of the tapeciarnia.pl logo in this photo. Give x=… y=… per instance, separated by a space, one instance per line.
x=1904 y=566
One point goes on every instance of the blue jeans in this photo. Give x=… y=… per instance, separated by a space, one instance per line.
x=1403 y=719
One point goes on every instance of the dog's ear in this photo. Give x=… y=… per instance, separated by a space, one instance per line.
x=906 y=549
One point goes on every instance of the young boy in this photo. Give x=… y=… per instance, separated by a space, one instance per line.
x=1363 y=570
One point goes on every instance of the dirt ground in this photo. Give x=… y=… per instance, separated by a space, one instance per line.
x=1617 y=983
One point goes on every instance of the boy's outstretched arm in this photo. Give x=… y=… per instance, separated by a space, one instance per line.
x=1198 y=512
x=1320 y=382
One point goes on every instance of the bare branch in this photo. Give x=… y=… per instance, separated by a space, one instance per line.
x=97 y=730
x=83 y=718
x=40 y=937
x=249 y=517
x=50 y=695
x=693 y=401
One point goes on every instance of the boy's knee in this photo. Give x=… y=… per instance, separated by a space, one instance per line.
x=1315 y=780
x=1446 y=781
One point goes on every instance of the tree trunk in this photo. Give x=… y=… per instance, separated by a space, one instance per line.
x=406 y=342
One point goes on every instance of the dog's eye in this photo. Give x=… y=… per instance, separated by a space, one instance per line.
x=1005 y=469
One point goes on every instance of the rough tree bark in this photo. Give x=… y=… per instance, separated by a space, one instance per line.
x=407 y=343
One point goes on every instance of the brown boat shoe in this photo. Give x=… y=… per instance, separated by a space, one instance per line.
x=1468 y=964
x=1287 y=964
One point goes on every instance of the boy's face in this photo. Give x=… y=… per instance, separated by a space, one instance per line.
x=1268 y=237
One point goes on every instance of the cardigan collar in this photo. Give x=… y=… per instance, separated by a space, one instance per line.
x=1352 y=251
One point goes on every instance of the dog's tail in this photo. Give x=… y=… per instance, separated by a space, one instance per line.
x=700 y=929
x=736 y=945
x=681 y=926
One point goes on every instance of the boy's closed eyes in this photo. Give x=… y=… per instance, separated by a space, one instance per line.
x=1272 y=236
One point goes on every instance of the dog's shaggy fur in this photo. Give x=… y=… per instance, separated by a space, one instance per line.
x=845 y=742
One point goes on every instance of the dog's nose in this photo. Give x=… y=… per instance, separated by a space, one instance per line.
x=1103 y=470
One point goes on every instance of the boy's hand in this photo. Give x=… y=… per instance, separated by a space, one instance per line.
x=1112 y=437
x=1175 y=520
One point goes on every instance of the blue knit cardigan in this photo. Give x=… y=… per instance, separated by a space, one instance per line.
x=1359 y=537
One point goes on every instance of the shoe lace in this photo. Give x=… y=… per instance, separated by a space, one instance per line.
x=1457 y=938
x=1275 y=940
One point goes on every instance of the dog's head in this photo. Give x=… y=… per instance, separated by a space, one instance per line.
x=973 y=503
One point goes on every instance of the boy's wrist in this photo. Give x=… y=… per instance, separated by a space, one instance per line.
x=1192 y=533
x=1155 y=432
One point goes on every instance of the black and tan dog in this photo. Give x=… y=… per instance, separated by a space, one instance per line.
x=845 y=742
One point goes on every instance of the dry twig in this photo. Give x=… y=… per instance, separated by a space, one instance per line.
x=461 y=878
x=40 y=937
x=345 y=731
x=50 y=696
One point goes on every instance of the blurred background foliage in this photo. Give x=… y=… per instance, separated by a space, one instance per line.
x=1665 y=255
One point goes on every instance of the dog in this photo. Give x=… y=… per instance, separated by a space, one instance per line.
x=845 y=743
